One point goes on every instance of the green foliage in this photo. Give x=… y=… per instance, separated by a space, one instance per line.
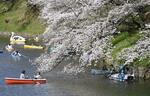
x=4 y=39
x=5 y=6
x=20 y=19
x=119 y=37
x=23 y=26
x=144 y=62
x=124 y=40
x=122 y=27
x=128 y=26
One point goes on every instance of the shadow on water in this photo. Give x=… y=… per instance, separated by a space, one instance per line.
x=61 y=84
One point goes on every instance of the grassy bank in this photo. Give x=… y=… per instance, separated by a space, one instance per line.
x=4 y=39
x=124 y=40
x=19 y=18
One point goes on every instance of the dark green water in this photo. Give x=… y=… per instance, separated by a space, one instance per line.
x=59 y=84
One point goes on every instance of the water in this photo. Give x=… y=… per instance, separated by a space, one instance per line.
x=62 y=85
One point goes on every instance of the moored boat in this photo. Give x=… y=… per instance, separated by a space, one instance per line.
x=119 y=77
x=17 y=39
x=32 y=47
x=24 y=81
x=125 y=73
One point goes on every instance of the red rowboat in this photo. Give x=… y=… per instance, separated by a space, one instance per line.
x=24 y=81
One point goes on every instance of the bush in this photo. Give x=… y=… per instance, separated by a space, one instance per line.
x=144 y=62
x=119 y=37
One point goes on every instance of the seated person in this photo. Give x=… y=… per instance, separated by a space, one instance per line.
x=112 y=69
x=22 y=75
x=38 y=76
x=9 y=46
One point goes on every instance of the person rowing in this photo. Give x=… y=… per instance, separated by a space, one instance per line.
x=17 y=56
x=38 y=76
x=22 y=75
x=16 y=53
x=9 y=48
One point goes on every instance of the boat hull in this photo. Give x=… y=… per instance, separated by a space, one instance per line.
x=118 y=78
x=9 y=49
x=17 y=42
x=16 y=39
x=10 y=81
x=32 y=47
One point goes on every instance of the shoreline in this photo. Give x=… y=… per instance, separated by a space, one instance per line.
x=25 y=35
x=30 y=38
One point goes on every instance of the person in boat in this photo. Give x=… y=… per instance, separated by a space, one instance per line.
x=22 y=75
x=121 y=75
x=38 y=76
x=36 y=39
x=16 y=53
x=9 y=46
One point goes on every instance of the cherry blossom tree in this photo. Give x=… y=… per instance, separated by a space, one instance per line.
x=85 y=28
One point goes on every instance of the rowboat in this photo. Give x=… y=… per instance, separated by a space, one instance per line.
x=118 y=77
x=17 y=42
x=17 y=39
x=32 y=47
x=24 y=81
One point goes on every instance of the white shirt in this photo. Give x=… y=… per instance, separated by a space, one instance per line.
x=16 y=54
x=9 y=46
x=37 y=76
x=22 y=76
